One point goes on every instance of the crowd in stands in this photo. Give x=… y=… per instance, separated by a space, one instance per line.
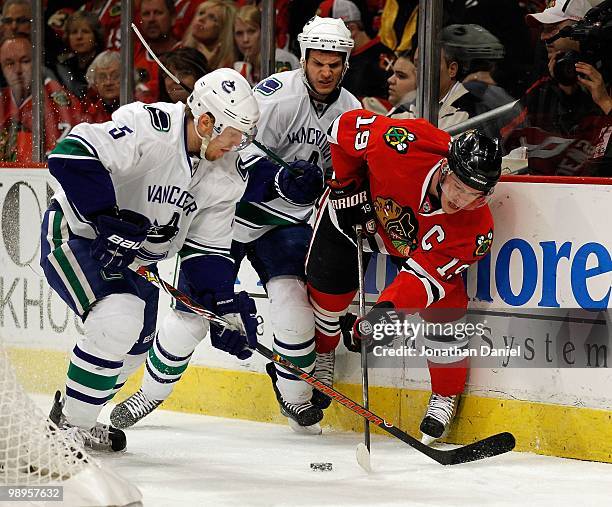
x=492 y=53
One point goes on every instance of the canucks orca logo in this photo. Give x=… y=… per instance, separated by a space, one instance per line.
x=483 y=244
x=163 y=233
x=398 y=138
x=228 y=86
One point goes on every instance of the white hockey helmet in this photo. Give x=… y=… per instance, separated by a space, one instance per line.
x=229 y=98
x=325 y=34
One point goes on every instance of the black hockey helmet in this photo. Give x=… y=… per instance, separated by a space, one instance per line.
x=471 y=42
x=476 y=160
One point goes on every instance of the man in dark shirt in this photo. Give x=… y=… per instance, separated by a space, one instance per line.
x=370 y=62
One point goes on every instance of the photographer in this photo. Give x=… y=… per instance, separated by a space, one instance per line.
x=563 y=119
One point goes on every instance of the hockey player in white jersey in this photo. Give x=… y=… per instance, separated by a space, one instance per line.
x=157 y=180
x=271 y=227
x=297 y=107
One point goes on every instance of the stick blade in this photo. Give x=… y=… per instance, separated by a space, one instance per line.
x=486 y=448
x=363 y=457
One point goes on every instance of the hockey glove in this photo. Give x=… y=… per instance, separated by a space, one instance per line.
x=302 y=185
x=380 y=326
x=239 y=309
x=120 y=235
x=352 y=206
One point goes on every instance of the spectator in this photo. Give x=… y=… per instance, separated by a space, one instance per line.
x=401 y=88
x=109 y=14
x=62 y=109
x=185 y=11
x=505 y=20
x=370 y=61
x=281 y=19
x=403 y=82
x=477 y=50
x=456 y=103
x=85 y=39
x=17 y=18
x=211 y=32
x=188 y=65
x=156 y=19
x=55 y=17
x=564 y=118
x=247 y=35
x=103 y=77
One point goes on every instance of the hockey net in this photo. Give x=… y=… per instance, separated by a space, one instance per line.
x=33 y=452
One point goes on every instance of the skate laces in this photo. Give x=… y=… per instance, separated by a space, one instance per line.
x=140 y=405
x=80 y=435
x=100 y=434
x=441 y=408
x=324 y=367
x=297 y=408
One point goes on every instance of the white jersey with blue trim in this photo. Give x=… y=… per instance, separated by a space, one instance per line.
x=190 y=202
x=294 y=127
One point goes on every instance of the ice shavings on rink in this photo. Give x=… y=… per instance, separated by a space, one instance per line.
x=189 y=460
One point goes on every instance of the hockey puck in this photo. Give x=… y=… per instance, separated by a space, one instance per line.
x=321 y=467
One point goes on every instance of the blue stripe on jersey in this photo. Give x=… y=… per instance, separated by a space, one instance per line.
x=96 y=361
x=287 y=376
x=87 y=183
x=289 y=346
x=208 y=248
x=71 y=393
x=275 y=211
x=191 y=168
x=168 y=355
x=157 y=378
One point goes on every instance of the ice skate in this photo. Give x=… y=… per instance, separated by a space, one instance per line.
x=324 y=371
x=302 y=417
x=438 y=417
x=101 y=437
x=133 y=409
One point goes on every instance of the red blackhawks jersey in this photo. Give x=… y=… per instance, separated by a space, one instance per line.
x=398 y=158
x=62 y=112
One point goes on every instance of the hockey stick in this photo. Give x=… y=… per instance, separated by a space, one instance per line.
x=262 y=147
x=363 y=449
x=486 y=448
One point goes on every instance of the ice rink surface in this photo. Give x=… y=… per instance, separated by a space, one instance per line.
x=189 y=460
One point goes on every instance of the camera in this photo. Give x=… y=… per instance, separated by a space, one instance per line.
x=564 y=69
x=594 y=33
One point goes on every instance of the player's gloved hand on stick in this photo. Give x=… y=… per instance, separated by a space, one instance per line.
x=378 y=327
x=239 y=309
x=352 y=205
x=120 y=235
x=303 y=184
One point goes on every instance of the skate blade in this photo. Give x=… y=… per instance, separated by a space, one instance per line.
x=314 y=429
x=363 y=457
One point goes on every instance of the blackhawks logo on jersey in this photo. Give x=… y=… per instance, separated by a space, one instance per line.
x=483 y=244
x=60 y=98
x=399 y=223
x=398 y=138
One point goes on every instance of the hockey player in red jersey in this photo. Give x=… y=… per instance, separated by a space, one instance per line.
x=422 y=199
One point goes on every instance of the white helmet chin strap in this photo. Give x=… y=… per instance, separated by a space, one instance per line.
x=205 y=139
